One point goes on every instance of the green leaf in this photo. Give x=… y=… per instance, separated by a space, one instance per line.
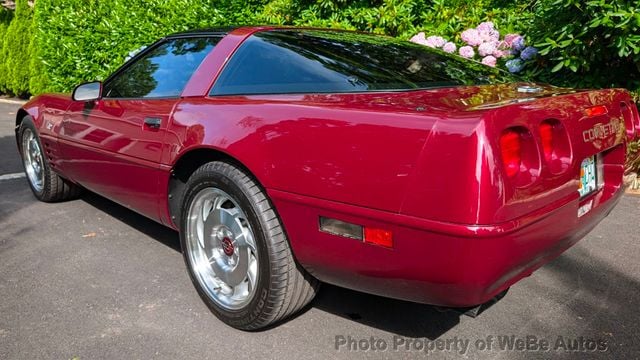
x=558 y=67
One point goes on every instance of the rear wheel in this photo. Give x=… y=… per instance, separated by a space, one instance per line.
x=236 y=251
x=46 y=184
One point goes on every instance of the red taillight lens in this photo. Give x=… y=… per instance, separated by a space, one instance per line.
x=511 y=150
x=627 y=116
x=546 y=137
x=556 y=146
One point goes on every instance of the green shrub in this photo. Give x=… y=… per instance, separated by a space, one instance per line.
x=450 y=18
x=5 y=19
x=85 y=40
x=15 y=51
x=589 y=43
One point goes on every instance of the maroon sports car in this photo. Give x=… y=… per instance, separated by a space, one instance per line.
x=286 y=157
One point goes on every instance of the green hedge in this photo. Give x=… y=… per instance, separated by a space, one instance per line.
x=61 y=43
x=5 y=20
x=15 y=51
x=589 y=43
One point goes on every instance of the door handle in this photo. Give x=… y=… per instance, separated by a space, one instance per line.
x=152 y=122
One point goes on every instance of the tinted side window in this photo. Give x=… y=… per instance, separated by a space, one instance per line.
x=163 y=71
x=307 y=61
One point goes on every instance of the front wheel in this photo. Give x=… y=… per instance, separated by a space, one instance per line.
x=236 y=251
x=46 y=184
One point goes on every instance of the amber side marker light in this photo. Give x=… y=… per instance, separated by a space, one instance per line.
x=368 y=235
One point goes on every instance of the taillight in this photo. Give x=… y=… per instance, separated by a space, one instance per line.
x=636 y=120
x=520 y=156
x=556 y=146
x=546 y=137
x=627 y=116
x=510 y=148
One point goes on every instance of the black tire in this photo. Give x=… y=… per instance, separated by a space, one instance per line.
x=283 y=286
x=53 y=188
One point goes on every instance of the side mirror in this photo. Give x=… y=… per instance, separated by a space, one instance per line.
x=87 y=91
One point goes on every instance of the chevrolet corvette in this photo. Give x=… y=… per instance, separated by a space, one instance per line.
x=287 y=157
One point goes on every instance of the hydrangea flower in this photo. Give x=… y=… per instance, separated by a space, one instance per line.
x=435 y=41
x=471 y=37
x=489 y=35
x=485 y=26
x=501 y=53
x=515 y=65
x=518 y=43
x=528 y=53
x=449 y=47
x=509 y=39
x=487 y=48
x=467 y=52
x=419 y=38
x=489 y=61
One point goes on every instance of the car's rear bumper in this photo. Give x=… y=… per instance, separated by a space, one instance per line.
x=432 y=262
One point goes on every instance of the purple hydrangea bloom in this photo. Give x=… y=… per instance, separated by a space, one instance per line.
x=518 y=44
x=467 y=52
x=528 y=53
x=435 y=41
x=471 y=37
x=487 y=48
x=450 y=47
x=515 y=65
x=489 y=61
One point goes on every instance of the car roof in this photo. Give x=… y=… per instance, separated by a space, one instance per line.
x=203 y=32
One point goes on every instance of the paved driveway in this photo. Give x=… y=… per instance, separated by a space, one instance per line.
x=91 y=279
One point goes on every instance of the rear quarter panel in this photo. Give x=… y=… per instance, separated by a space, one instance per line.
x=308 y=144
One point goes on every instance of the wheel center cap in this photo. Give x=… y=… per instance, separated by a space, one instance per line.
x=227 y=246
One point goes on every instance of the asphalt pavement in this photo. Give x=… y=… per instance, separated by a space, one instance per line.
x=89 y=279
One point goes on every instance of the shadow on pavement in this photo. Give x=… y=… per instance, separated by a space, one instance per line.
x=402 y=318
x=149 y=227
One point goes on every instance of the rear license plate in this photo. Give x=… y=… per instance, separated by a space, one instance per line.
x=588 y=176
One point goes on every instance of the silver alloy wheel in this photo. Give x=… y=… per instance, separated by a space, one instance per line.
x=33 y=159
x=221 y=248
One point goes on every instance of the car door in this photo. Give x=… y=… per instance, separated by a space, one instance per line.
x=113 y=145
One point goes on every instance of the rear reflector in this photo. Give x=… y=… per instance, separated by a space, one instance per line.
x=596 y=111
x=367 y=234
x=510 y=148
x=378 y=237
